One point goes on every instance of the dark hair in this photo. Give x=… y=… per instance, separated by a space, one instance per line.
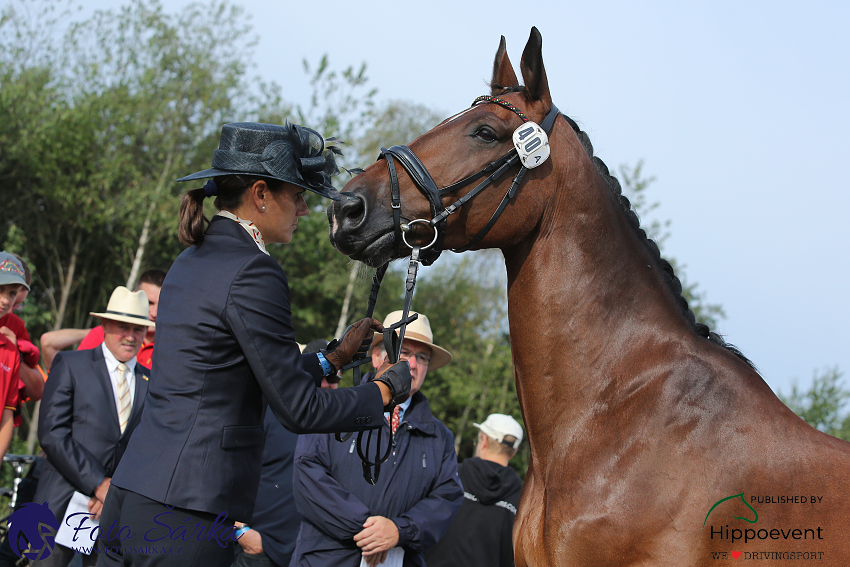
x=231 y=189
x=27 y=273
x=154 y=276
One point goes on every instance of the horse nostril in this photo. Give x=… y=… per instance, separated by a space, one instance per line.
x=352 y=209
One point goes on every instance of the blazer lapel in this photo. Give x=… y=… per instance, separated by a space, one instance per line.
x=142 y=379
x=102 y=373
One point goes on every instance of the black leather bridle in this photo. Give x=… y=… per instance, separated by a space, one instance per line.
x=427 y=186
x=429 y=253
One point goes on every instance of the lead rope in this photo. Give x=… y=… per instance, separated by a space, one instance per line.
x=393 y=344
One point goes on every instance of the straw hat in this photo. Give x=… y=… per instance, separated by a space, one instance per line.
x=420 y=331
x=128 y=307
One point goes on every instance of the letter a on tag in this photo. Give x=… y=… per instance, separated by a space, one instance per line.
x=532 y=144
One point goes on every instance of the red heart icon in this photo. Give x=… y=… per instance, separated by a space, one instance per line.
x=736 y=554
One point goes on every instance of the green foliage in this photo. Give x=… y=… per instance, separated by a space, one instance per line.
x=97 y=121
x=822 y=405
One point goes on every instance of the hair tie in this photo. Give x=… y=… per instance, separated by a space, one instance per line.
x=211 y=188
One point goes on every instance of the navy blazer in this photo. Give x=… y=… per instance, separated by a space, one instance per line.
x=224 y=340
x=78 y=426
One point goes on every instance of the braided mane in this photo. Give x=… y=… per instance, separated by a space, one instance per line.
x=672 y=280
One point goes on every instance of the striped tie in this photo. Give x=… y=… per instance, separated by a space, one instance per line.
x=395 y=420
x=124 y=405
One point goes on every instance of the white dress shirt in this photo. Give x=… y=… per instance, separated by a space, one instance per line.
x=114 y=375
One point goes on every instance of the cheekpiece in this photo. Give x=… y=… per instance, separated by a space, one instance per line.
x=291 y=153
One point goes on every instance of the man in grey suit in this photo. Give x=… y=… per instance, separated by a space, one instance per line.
x=92 y=402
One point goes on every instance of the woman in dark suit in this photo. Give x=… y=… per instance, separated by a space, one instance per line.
x=225 y=347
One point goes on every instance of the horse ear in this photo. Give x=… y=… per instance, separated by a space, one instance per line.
x=533 y=72
x=503 y=72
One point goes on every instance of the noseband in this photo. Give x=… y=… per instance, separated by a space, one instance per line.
x=427 y=186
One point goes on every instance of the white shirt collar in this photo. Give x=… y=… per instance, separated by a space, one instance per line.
x=249 y=227
x=112 y=362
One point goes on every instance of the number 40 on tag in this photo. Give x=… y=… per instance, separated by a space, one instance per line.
x=532 y=144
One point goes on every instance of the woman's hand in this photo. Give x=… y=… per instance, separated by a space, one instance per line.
x=251 y=542
x=358 y=337
x=395 y=381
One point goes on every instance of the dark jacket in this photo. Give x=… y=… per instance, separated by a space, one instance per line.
x=224 y=339
x=481 y=534
x=78 y=426
x=275 y=516
x=418 y=489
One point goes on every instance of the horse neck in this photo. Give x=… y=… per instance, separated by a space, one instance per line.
x=587 y=305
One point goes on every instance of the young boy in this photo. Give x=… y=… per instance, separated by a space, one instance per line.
x=12 y=281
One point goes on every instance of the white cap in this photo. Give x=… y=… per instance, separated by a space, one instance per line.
x=498 y=425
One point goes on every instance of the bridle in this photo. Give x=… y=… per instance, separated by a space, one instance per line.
x=493 y=171
x=531 y=147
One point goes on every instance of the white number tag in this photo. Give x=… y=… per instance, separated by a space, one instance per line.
x=532 y=144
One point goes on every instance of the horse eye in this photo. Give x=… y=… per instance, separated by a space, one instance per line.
x=486 y=134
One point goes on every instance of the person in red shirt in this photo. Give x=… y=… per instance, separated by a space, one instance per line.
x=150 y=282
x=11 y=282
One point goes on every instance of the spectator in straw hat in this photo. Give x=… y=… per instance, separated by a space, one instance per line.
x=482 y=533
x=91 y=405
x=416 y=495
x=54 y=341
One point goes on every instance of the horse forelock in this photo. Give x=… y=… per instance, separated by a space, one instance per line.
x=669 y=275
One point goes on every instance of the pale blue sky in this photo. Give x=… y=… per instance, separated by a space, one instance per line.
x=738 y=108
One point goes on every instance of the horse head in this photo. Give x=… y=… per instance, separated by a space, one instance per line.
x=362 y=224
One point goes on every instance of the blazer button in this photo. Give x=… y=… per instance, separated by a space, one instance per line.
x=368 y=419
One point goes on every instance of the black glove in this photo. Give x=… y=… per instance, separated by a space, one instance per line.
x=397 y=378
x=356 y=340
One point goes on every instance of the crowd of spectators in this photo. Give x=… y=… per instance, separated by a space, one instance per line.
x=313 y=505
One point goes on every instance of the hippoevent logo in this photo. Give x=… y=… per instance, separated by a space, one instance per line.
x=740 y=532
x=33 y=528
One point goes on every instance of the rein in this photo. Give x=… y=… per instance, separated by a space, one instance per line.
x=530 y=141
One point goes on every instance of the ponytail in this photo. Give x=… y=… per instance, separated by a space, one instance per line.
x=193 y=223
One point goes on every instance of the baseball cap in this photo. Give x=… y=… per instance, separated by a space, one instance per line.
x=498 y=425
x=11 y=270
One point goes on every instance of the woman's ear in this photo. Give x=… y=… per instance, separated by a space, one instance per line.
x=259 y=193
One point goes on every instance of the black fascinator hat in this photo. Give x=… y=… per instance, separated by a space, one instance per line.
x=289 y=153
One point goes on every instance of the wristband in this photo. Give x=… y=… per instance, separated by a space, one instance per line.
x=327 y=369
x=242 y=530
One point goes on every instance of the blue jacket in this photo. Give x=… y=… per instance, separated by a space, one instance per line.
x=224 y=342
x=418 y=489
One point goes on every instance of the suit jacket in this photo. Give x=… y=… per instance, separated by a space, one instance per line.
x=78 y=426
x=224 y=341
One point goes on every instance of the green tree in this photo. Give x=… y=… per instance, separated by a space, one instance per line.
x=97 y=132
x=97 y=118
x=822 y=405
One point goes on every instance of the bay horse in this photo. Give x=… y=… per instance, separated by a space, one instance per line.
x=652 y=441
